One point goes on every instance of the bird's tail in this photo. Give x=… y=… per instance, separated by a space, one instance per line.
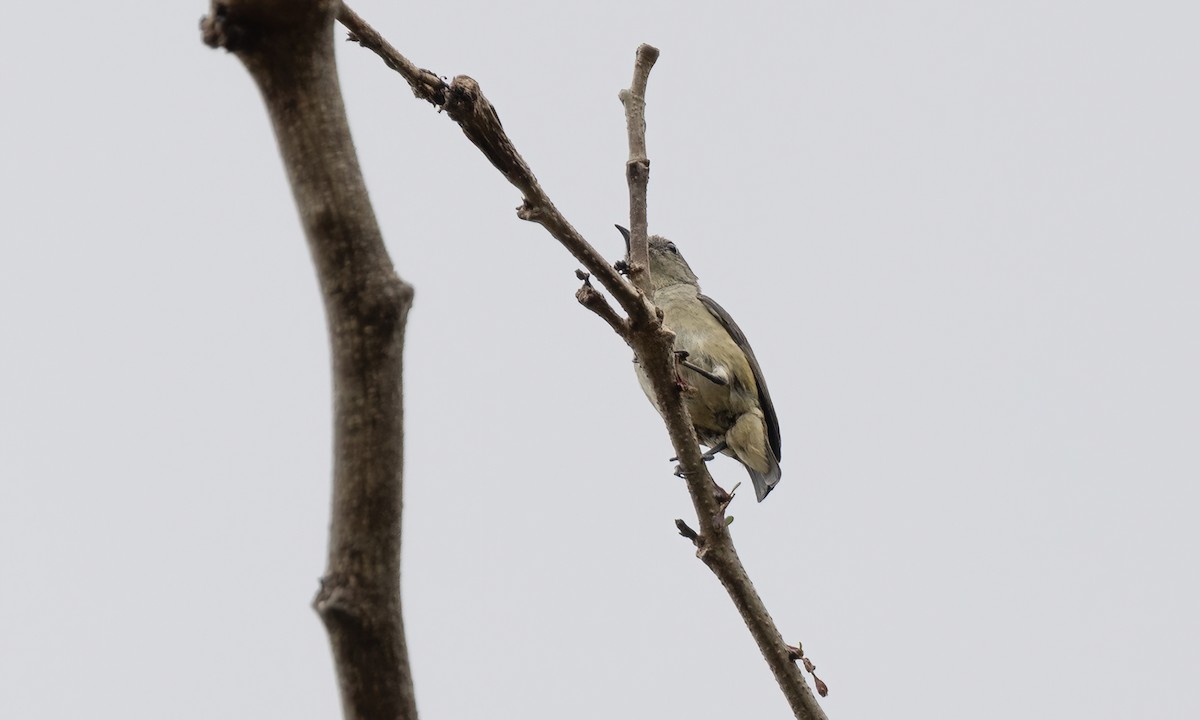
x=765 y=482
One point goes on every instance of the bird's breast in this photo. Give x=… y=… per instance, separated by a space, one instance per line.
x=714 y=407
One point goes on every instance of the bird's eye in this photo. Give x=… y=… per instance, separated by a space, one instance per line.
x=672 y=248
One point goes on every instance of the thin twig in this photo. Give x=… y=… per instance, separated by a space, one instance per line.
x=465 y=103
x=590 y=298
x=425 y=84
x=686 y=531
x=637 y=168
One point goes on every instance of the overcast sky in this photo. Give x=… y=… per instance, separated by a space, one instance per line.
x=964 y=239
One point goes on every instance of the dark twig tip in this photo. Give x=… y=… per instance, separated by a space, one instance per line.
x=687 y=532
x=218 y=30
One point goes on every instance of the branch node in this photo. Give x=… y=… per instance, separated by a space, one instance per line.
x=591 y=299
x=637 y=170
x=215 y=31
x=796 y=653
x=723 y=497
x=424 y=84
x=529 y=213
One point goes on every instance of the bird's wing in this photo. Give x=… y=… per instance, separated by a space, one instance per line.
x=764 y=397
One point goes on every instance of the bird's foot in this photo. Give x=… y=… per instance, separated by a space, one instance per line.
x=681 y=356
x=714 y=450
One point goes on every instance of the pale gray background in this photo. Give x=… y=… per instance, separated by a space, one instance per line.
x=962 y=237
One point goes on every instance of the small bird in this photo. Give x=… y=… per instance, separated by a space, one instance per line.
x=727 y=397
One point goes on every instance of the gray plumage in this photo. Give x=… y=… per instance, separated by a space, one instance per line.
x=729 y=403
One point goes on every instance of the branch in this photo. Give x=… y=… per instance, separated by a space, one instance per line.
x=652 y=343
x=637 y=168
x=464 y=102
x=591 y=299
x=287 y=48
x=714 y=545
x=425 y=85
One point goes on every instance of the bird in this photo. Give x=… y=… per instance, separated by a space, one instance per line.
x=727 y=396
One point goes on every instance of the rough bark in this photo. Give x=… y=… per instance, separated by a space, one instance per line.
x=287 y=46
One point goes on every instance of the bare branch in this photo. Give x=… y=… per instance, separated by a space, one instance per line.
x=590 y=298
x=652 y=343
x=465 y=103
x=637 y=168
x=287 y=46
x=425 y=84
x=714 y=545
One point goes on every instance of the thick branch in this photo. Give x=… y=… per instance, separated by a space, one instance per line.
x=637 y=168
x=287 y=46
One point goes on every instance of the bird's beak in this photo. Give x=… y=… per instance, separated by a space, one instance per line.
x=625 y=234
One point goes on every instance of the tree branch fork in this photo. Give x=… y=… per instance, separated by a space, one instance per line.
x=641 y=327
x=286 y=46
